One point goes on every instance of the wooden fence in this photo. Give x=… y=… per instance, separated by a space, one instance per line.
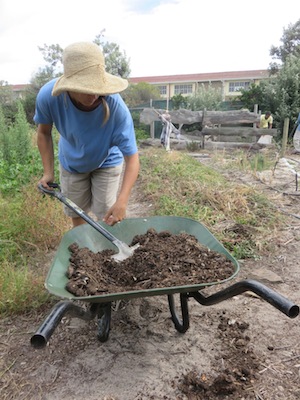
x=220 y=124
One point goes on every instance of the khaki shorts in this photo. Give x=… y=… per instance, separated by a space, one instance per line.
x=94 y=191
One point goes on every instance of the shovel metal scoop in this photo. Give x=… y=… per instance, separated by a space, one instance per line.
x=125 y=251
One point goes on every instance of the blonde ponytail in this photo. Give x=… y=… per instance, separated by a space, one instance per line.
x=106 y=110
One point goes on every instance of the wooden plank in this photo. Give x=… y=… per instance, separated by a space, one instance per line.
x=188 y=117
x=243 y=132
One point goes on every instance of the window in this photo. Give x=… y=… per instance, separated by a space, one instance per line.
x=162 y=90
x=183 y=89
x=237 y=86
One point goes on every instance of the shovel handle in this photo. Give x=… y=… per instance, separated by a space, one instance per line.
x=48 y=191
x=56 y=192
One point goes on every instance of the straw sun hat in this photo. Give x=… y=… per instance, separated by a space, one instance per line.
x=84 y=72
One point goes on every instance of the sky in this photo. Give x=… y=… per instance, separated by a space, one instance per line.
x=159 y=37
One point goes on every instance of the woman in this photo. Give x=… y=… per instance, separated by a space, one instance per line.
x=96 y=135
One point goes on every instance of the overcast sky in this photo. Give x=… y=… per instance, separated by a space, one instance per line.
x=165 y=37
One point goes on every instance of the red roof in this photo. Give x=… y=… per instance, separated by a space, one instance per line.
x=205 y=77
x=19 y=87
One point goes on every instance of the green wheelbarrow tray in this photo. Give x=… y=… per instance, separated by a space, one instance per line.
x=86 y=236
x=100 y=306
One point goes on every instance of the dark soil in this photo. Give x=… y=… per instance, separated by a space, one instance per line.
x=162 y=260
x=240 y=367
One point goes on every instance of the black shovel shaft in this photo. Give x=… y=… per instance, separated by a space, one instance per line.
x=56 y=192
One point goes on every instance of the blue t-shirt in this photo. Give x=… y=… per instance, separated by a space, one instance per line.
x=85 y=142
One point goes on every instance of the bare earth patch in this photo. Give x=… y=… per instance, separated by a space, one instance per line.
x=241 y=348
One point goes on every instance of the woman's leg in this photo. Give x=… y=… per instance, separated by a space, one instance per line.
x=76 y=187
x=104 y=187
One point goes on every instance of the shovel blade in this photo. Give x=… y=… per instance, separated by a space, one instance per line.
x=124 y=251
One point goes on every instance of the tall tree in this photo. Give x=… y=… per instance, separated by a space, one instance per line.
x=52 y=54
x=284 y=89
x=290 y=45
x=206 y=97
x=140 y=93
x=116 y=61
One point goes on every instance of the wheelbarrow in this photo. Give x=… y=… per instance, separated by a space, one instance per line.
x=100 y=306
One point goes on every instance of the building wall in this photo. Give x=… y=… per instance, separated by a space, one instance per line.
x=230 y=83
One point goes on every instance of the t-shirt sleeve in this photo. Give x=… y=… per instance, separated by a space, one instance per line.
x=123 y=132
x=42 y=113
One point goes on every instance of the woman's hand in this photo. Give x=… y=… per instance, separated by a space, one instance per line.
x=115 y=214
x=46 y=178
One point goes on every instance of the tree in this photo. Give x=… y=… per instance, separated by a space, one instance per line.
x=116 y=62
x=178 y=101
x=257 y=94
x=206 y=97
x=15 y=140
x=6 y=93
x=290 y=45
x=7 y=101
x=284 y=90
x=52 y=54
x=140 y=93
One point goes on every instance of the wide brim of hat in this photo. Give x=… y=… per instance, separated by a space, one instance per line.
x=107 y=84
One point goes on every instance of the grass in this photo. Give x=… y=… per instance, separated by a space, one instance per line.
x=30 y=226
x=21 y=289
x=180 y=185
x=173 y=182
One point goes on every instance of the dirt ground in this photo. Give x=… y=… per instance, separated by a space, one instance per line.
x=240 y=348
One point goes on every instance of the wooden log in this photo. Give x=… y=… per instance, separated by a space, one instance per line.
x=243 y=132
x=235 y=117
x=236 y=145
x=188 y=117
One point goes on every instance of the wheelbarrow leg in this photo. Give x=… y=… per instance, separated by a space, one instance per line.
x=104 y=317
x=183 y=325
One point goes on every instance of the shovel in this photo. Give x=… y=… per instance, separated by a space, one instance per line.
x=124 y=250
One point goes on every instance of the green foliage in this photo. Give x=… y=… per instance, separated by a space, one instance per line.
x=30 y=225
x=4 y=139
x=21 y=290
x=179 y=101
x=290 y=43
x=19 y=158
x=281 y=93
x=14 y=175
x=140 y=93
x=142 y=131
x=15 y=141
x=286 y=90
x=206 y=97
x=6 y=93
x=43 y=76
x=20 y=136
x=116 y=61
x=253 y=95
x=141 y=134
x=52 y=54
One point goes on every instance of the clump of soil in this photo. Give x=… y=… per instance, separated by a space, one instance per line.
x=238 y=364
x=162 y=260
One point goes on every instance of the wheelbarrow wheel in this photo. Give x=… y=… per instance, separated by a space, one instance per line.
x=104 y=317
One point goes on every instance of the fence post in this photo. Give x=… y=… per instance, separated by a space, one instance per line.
x=284 y=136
